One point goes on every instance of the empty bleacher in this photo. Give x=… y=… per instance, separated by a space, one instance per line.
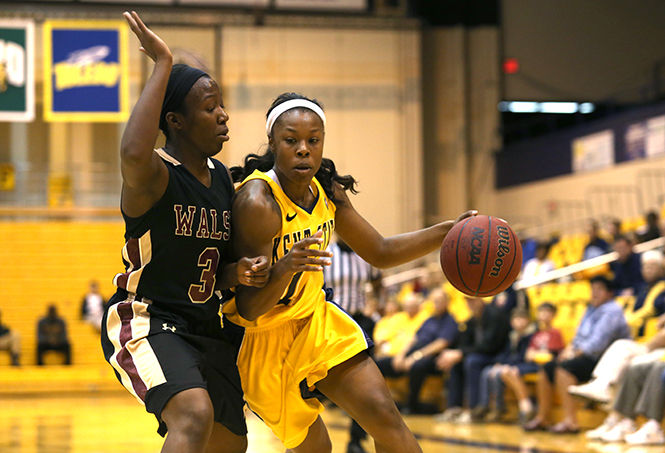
x=51 y=262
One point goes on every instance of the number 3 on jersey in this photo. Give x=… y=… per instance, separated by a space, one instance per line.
x=208 y=260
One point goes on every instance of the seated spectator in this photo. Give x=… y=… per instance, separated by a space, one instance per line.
x=10 y=341
x=596 y=245
x=642 y=392
x=650 y=300
x=481 y=338
x=652 y=228
x=539 y=264
x=52 y=336
x=529 y=245
x=545 y=344
x=627 y=269
x=613 y=228
x=614 y=362
x=510 y=299
x=512 y=358
x=418 y=358
x=394 y=332
x=92 y=306
x=602 y=324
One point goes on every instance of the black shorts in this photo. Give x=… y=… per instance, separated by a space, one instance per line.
x=156 y=354
x=581 y=367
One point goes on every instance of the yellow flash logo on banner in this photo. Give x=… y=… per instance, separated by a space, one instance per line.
x=69 y=75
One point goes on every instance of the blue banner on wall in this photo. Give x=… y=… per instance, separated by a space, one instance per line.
x=86 y=71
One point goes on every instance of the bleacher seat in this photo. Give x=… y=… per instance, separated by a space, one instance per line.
x=52 y=262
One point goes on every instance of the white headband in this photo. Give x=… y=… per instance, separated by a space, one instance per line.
x=292 y=104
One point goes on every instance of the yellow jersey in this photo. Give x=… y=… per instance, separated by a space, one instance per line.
x=305 y=290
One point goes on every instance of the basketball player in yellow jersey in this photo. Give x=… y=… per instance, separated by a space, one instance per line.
x=294 y=341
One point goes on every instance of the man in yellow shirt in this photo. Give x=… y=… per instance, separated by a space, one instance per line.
x=394 y=333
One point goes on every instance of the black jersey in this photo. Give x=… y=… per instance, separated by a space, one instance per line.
x=173 y=251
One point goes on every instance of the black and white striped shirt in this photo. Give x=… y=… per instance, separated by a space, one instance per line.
x=347 y=276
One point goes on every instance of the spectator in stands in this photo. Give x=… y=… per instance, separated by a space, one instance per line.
x=539 y=264
x=544 y=345
x=642 y=392
x=10 y=341
x=394 y=334
x=613 y=228
x=627 y=268
x=481 y=338
x=511 y=358
x=418 y=359
x=650 y=300
x=511 y=299
x=432 y=279
x=602 y=324
x=652 y=229
x=347 y=276
x=529 y=245
x=614 y=362
x=92 y=306
x=52 y=336
x=596 y=246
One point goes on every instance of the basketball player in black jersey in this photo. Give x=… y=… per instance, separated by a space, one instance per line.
x=162 y=332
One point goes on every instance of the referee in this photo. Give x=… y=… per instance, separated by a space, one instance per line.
x=347 y=276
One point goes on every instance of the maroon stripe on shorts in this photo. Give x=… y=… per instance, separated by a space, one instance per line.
x=124 y=358
x=121 y=280
x=134 y=253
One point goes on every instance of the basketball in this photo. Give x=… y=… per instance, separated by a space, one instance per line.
x=481 y=256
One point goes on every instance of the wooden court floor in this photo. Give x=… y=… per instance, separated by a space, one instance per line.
x=117 y=423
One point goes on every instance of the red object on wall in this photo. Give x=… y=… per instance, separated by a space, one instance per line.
x=511 y=66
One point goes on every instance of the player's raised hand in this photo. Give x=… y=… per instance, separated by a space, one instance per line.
x=151 y=44
x=303 y=258
x=253 y=271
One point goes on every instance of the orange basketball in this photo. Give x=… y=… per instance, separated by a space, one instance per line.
x=481 y=256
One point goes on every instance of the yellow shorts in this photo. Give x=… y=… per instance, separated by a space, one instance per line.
x=278 y=364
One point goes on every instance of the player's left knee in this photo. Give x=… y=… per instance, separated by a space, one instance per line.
x=385 y=413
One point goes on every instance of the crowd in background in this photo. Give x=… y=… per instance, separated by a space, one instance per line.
x=503 y=343
x=51 y=329
x=490 y=348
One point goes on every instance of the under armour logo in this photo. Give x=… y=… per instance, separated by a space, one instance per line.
x=167 y=327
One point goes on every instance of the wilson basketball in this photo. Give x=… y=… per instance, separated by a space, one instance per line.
x=481 y=256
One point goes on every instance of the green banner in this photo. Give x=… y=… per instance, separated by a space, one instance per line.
x=16 y=70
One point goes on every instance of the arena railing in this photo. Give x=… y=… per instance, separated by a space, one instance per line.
x=567 y=271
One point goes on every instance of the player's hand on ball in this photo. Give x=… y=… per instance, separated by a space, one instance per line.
x=302 y=257
x=151 y=44
x=449 y=224
x=465 y=215
x=253 y=271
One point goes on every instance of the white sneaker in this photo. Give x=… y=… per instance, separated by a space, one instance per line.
x=464 y=418
x=449 y=415
x=619 y=431
x=609 y=423
x=648 y=434
x=592 y=390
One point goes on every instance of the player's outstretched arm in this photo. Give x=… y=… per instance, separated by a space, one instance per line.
x=256 y=220
x=144 y=174
x=384 y=252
